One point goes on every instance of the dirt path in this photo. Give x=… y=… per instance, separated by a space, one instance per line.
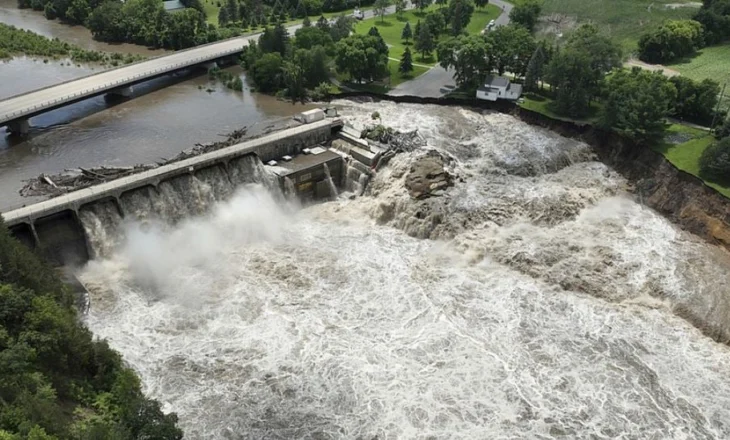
x=653 y=67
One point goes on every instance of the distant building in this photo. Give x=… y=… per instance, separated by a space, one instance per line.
x=173 y=5
x=499 y=87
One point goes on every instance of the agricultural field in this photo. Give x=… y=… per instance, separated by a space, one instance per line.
x=711 y=62
x=623 y=20
x=391 y=27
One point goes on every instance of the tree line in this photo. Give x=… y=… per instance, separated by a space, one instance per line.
x=56 y=381
x=20 y=41
x=676 y=39
x=299 y=67
x=145 y=22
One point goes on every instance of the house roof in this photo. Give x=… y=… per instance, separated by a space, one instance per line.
x=496 y=81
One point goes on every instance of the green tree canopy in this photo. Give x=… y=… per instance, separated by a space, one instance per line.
x=469 y=56
x=407 y=33
x=266 y=72
x=637 y=103
x=406 y=62
x=308 y=37
x=459 y=12
x=361 y=57
x=513 y=47
x=425 y=43
x=715 y=162
x=673 y=39
x=525 y=13
x=381 y=7
x=696 y=101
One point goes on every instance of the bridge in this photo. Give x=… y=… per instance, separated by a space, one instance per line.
x=17 y=110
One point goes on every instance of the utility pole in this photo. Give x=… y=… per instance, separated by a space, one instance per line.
x=717 y=108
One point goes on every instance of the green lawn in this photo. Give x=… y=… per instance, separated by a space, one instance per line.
x=543 y=105
x=686 y=155
x=623 y=20
x=711 y=62
x=391 y=27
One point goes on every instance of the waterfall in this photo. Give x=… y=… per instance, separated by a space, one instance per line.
x=172 y=201
x=330 y=183
x=290 y=190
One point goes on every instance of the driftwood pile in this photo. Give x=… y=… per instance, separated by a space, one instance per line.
x=70 y=180
x=53 y=185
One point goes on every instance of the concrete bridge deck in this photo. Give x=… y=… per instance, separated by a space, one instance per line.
x=16 y=110
x=267 y=147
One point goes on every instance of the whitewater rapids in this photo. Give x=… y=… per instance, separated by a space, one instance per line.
x=543 y=305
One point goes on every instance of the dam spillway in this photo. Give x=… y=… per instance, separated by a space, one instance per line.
x=67 y=228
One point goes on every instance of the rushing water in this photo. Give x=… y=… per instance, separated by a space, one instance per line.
x=543 y=306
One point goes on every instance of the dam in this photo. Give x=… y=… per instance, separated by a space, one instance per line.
x=296 y=160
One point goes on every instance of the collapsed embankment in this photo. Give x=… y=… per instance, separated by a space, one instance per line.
x=683 y=198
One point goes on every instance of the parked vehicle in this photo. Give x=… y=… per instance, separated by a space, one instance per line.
x=358 y=14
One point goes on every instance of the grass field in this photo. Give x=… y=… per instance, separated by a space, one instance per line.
x=623 y=20
x=686 y=156
x=391 y=27
x=543 y=105
x=711 y=62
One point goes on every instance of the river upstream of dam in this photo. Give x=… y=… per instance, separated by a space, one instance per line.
x=535 y=299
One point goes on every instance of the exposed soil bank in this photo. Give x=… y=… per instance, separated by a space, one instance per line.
x=680 y=196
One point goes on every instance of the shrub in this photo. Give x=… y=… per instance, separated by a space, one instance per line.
x=715 y=162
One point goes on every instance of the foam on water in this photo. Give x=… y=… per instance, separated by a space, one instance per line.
x=255 y=321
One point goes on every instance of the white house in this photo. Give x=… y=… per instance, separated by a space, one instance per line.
x=499 y=87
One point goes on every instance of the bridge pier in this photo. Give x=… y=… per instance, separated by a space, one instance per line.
x=124 y=92
x=19 y=127
x=210 y=66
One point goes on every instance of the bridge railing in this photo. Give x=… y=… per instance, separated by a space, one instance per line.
x=113 y=84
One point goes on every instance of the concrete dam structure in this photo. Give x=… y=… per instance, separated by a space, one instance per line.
x=300 y=163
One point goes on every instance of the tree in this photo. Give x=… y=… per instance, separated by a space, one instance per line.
x=570 y=74
x=106 y=22
x=232 y=10
x=266 y=72
x=358 y=56
x=274 y=39
x=696 y=101
x=513 y=46
x=306 y=23
x=637 y=103
x=380 y=8
x=323 y=23
x=308 y=37
x=436 y=23
x=715 y=162
x=422 y=4
x=314 y=64
x=342 y=27
x=469 y=56
x=407 y=34
x=400 y=6
x=460 y=12
x=535 y=68
x=78 y=11
x=526 y=14
x=481 y=4
x=382 y=45
x=406 y=62
x=603 y=54
x=293 y=79
x=723 y=130
x=223 y=18
x=425 y=43
x=715 y=19
x=673 y=39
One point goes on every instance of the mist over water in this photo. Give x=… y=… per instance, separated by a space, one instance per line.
x=542 y=306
